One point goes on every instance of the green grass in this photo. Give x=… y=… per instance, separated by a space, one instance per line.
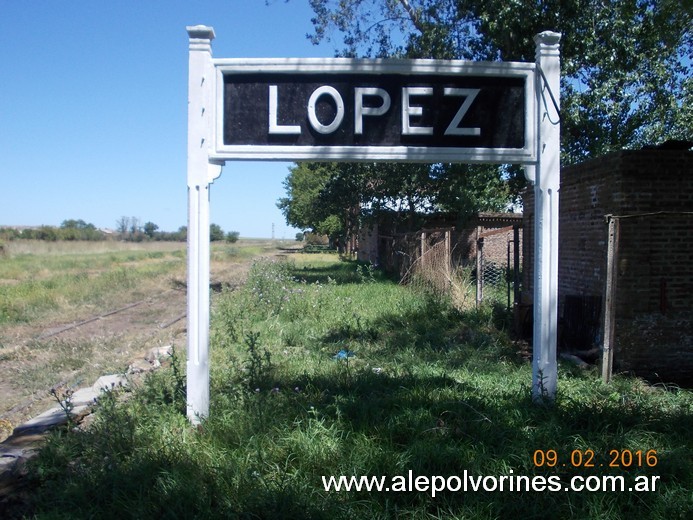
x=428 y=390
x=35 y=281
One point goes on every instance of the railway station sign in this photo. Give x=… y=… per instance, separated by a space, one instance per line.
x=339 y=109
x=358 y=109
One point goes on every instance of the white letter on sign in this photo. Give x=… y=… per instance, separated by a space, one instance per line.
x=274 y=127
x=408 y=111
x=312 y=116
x=360 y=110
x=470 y=95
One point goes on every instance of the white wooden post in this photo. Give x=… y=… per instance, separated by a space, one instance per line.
x=201 y=172
x=546 y=185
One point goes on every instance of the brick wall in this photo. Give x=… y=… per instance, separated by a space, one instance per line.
x=654 y=299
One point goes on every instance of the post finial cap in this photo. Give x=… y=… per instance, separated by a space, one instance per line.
x=200 y=32
x=547 y=38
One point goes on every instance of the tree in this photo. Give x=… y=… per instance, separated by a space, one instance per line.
x=215 y=233
x=76 y=224
x=122 y=225
x=323 y=197
x=134 y=226
x=303 y=186
x=182 y=234
x=333 y=199
x=78 y=229
x=149 y=229
x=468 y=189
x=232 y=236
x=47 y=233
x=626 y=64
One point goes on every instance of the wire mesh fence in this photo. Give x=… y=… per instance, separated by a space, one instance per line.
x=438 y=261
x=433 y=269
x=492 y=285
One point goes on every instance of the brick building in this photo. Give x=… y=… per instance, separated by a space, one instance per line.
x=651 y=193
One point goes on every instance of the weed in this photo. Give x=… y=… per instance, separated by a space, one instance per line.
x=267 y=282
x=366 y=273
x=64 y=398
x=258 y=364
x=543 y=397
x=179 y=381
x=227 y=319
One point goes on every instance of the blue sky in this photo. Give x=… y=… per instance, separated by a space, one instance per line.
x=93 y=109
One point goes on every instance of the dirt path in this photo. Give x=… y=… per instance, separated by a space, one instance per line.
x=76 y=353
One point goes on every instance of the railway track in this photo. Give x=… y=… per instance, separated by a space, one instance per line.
x=68 y=327
x=37 y=357
x=136 y=323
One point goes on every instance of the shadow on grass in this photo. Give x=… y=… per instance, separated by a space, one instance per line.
x=433 y=424
x=430 y=329
x=265 y=459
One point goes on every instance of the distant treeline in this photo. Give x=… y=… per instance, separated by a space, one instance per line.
x=128 y=228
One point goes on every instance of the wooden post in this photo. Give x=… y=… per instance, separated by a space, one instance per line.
x=448 y=255
x=507 y=272
x=201 y=173
x=547 y=175
x=479 y=267
x=609 y=297
x=423 y=248
x=516 y=264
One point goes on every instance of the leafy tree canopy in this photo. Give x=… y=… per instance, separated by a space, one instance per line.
x=76 y=224
x=626 y=82
x=332 y=198
x=149 y=229
x=71 y=229
x=308 y=205
x=626 y=64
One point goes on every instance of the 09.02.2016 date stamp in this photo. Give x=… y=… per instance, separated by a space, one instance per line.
x=623 y=458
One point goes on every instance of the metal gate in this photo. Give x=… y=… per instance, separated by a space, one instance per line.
x=498 y=274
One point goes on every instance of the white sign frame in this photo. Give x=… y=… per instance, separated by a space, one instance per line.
x=206 y=155
x=350 y=66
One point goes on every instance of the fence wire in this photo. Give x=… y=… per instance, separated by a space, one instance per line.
x=442 y=261
x=433 y=270
x=497 y=280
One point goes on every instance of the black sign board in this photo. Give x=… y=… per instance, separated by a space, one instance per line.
x=362 y=115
